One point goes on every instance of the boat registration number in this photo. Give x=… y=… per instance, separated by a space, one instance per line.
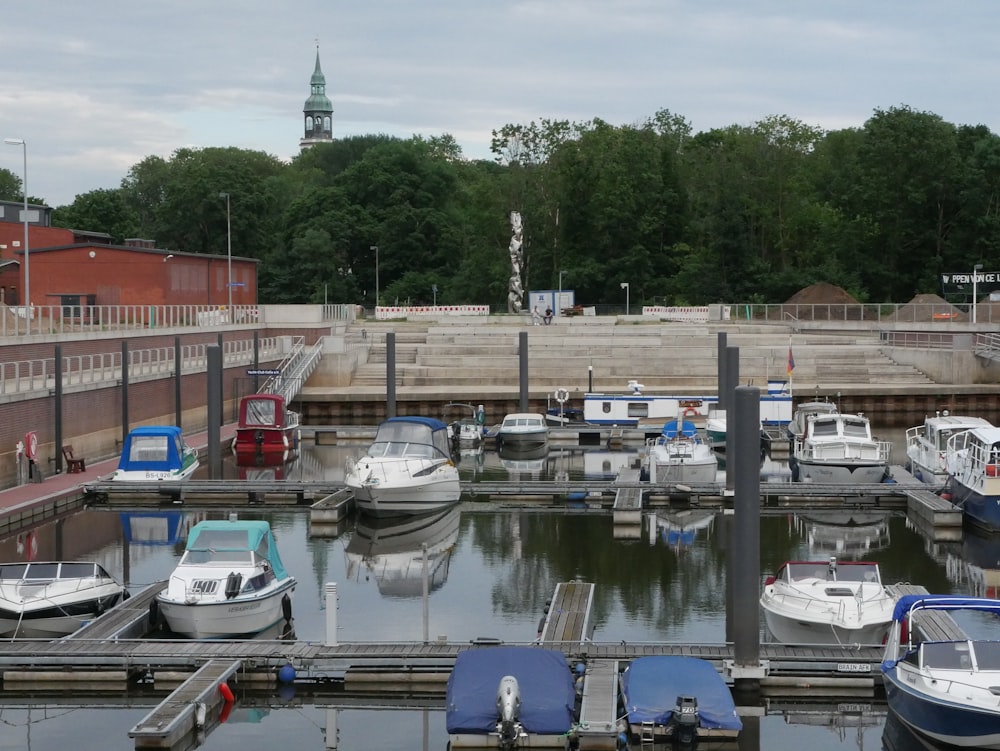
x=854 y=667
x=854 y=708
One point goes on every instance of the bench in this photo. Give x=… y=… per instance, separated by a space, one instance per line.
x=73 y=465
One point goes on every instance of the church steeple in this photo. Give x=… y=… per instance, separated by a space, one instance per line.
x=317 y=111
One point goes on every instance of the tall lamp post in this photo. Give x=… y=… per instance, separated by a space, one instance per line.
x=975 y=277
x=624 y=286
x=375 y=248
x=229 y=257
x=27 y=261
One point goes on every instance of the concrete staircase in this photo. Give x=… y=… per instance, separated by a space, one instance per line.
x=665 y=357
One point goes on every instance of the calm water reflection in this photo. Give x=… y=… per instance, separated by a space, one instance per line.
x=490 y=571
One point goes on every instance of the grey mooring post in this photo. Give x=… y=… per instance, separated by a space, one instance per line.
x=732 y=381
x=58 y=407
x=124 y=390
x=213 y=354
x=522 y=348
x=720 y=367
x=743 y=444
x=390 y=374
x=178 y=377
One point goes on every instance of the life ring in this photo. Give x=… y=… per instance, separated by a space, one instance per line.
x=690 y=412
x=562 y=395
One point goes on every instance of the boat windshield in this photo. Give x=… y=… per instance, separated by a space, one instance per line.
x=261 y=412
x=48 y=571
x=845 y=572
x=856 y=428
x=149 y=448
x=401 y=450
x=226 y=557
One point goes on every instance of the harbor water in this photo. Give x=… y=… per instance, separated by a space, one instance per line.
x=488 y=569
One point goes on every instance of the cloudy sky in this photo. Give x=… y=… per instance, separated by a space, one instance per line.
x=96 y=86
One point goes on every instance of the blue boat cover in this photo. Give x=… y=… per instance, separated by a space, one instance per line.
x=431 y=422
x=543 y=677
x=686 y=429
x=651 y=686
x=236 y=536
x=943 y=602
x=166 y=453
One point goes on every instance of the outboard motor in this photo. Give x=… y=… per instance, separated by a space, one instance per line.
x=686 y=720
x=508 y=712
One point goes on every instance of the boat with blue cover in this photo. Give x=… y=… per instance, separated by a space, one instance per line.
x=510 y=696
x=668 y=697
x=156 y=452
x=945 y=690
x=680 y=455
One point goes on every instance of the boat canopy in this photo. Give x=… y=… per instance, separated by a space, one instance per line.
x=153 y=448
x=543 y=677
x=262 y=410
x=652 y=684
x=685 y=430
x=906 y=603
x=426 y=431
x=220 y=536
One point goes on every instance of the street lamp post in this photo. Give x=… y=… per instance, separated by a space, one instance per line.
x=229 y=257
x=27 y=261
x=975 y=278
x=375 y=248
x=624 y=286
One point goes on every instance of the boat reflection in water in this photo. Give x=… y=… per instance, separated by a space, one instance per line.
x=679 y=529
x=844 y=533
x=401 y=552
x=267 y=467
x=520 y=462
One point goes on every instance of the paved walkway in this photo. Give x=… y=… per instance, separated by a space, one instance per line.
x=65 y=485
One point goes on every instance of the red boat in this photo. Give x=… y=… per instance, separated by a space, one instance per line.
x=267 y=431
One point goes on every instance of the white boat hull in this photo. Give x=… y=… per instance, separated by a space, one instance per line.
x=792 y=628
x=240 y=616
x=400 y=487
x=840 y=473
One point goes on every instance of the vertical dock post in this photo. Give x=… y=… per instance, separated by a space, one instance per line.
x=332 y=731
x=425 y=575
x=178 y=380
x=57 y=374
x=732 y=381
x=214 y=355
x=390 y=374
x=522 y=348
x=720 y=369
x=331 y=614
x=124 y=389
x=745 y=562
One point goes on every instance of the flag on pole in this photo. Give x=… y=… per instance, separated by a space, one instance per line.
x=791 y=361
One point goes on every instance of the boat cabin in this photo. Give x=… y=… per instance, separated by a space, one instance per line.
x=266 y=426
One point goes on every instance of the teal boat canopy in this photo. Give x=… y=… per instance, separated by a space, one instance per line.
x=220 y=536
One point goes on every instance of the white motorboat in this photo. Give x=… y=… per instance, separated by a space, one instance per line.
x=927 y=444
x=838 y=448
x=827 y=602
x=679 y=455
x=467 y=431
x=943 y=689
x=800 y=417
x=230 y=582
x=972 y=458
x=523 y=431
x=156 y=452
x=402 y=553
x=49 y=599
x=408 y=469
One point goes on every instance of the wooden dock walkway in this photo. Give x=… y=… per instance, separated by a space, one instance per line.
x=569 y=619
x=598 y=725
x=627 y=507
x=129 y=619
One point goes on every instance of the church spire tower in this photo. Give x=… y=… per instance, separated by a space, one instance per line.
x=317 y=111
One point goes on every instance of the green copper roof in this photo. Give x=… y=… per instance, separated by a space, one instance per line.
x=318 y=100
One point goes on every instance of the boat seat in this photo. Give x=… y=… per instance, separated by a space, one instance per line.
x=73 y=464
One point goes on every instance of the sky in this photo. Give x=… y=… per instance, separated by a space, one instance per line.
x=95 y=87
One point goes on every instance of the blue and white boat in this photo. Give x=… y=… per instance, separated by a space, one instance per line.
x=927 y=445
x=510 y=697
x=678 y=698
x=972 y=458
x=156 y=452
x=679 y=455
x=945 y=690
x=230 y=582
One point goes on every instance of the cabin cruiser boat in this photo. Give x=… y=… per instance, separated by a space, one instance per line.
x=927 y=444
x=156 y=452
x=972 y=458
x=522 y=431
x=679 y=455
x=839 y=448
x=827 y=602
x=267 y=429
x=943 y=689
x=802 y=413
x=408 y=469
x=230 y=582
x=466 y=432
x=49 y=599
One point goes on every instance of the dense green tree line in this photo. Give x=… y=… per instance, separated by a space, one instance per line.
x=738 y=214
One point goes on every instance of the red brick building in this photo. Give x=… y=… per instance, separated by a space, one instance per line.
x=68 y=267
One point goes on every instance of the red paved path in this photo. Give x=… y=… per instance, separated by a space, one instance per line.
x=65 y=484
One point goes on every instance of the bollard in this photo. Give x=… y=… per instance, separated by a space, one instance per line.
x=331 y=614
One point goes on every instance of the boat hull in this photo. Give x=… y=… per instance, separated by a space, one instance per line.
x=981 y=510
x=943 y=721
x=53 y=619
x=184 y=473
x=840 y=473
x=239 y=616
x=793 y=628
x=265 y=442
x=399 y=490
